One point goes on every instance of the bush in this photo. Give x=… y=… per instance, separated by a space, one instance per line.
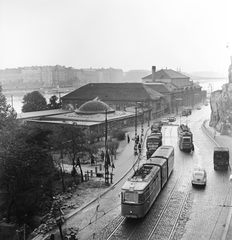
x=120 y=135
x=113 y=146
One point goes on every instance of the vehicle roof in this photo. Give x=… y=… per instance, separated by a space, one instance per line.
x=138 y=183
x=198 y=169
x=219 y=149
x=157 y=161
x=163 y=151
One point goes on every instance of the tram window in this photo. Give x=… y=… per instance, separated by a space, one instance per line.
x=131 y=197
x=141 y=198
x=186 y=140
x=147 y=193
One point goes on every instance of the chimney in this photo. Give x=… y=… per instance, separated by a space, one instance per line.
x=153 y=73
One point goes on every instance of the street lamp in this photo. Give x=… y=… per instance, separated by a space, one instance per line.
x=107 y=157
x=195 y=94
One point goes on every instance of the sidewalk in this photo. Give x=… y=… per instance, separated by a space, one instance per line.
x=223 y=141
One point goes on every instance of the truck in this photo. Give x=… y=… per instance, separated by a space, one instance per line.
x=186 y=111
x=221 y=158
x=154 y=140
x=185 y=138
x=156 y=126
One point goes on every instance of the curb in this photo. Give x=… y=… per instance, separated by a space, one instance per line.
x=207 y=132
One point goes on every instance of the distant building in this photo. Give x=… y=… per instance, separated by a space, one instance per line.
x=167 y=76
x=179 y=91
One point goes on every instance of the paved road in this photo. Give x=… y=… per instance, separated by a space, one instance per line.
x=122 y=164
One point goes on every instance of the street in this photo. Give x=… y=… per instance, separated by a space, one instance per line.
x=204 y=211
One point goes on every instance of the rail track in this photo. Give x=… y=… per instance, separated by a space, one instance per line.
x=162 y=218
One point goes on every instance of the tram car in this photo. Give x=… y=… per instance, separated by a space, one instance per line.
x=141 y=189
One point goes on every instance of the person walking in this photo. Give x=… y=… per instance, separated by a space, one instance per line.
x=135 y=150
x=140 y=148
x=102 y=155
x=128 y=138
x=92 y=159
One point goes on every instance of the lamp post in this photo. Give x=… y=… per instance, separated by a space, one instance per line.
x=136 y=121
x=59 y=224
x=107 y=157
x=142 y=123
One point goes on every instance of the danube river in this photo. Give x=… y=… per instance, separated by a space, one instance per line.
x=15 y=100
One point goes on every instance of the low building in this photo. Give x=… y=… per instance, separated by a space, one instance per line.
x=91 y=116
x=119 y=96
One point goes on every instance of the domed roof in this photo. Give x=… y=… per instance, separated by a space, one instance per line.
x=95 y=106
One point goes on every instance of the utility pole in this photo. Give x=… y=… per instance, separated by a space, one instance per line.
x=107 y=157
x=142 y=123
x=136 y=121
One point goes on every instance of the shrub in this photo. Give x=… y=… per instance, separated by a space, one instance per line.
x=120 y=135
x=113 y=146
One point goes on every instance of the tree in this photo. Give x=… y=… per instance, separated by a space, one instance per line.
x=34 y=101
x=53 y=103
x=73 y=141
x=26 y=165
x=7 y=114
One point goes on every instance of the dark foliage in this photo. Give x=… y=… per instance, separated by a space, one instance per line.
x=34 y=101
x=54 y=104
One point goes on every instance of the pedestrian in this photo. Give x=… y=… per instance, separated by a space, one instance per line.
x=135 y=150
x=128 y=138
x=139 y=147
x=92 y=159
x=102 y=155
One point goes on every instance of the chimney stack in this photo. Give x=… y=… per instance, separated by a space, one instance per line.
x=153 y=73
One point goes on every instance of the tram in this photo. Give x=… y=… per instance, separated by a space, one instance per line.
x=141 y=189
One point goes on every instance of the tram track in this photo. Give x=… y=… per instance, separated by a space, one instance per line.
x=162 y=218
x=166 y=216
x=167 y=222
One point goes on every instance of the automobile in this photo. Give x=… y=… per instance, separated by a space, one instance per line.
x=164 y=121
x=206 y=104
x=171 y=119
x=198 y=107
x=199 y=176
x=156 y=126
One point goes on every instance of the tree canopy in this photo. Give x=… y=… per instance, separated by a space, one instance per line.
x=53 y=103
x=34 y=101
x=26 y=164
x=7 y=113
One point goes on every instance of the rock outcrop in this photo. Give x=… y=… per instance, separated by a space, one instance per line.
x=221 y=110
x=221 y=107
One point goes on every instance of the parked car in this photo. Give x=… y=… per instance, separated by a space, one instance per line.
x=199 y=176
x=172 y=119
x=164 y=121
x=198 y=107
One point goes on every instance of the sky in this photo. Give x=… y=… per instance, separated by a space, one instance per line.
x=189 y=35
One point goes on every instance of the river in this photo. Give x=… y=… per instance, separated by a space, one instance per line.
x=15 y=100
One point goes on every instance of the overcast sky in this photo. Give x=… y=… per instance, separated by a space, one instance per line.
x=191 y=35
